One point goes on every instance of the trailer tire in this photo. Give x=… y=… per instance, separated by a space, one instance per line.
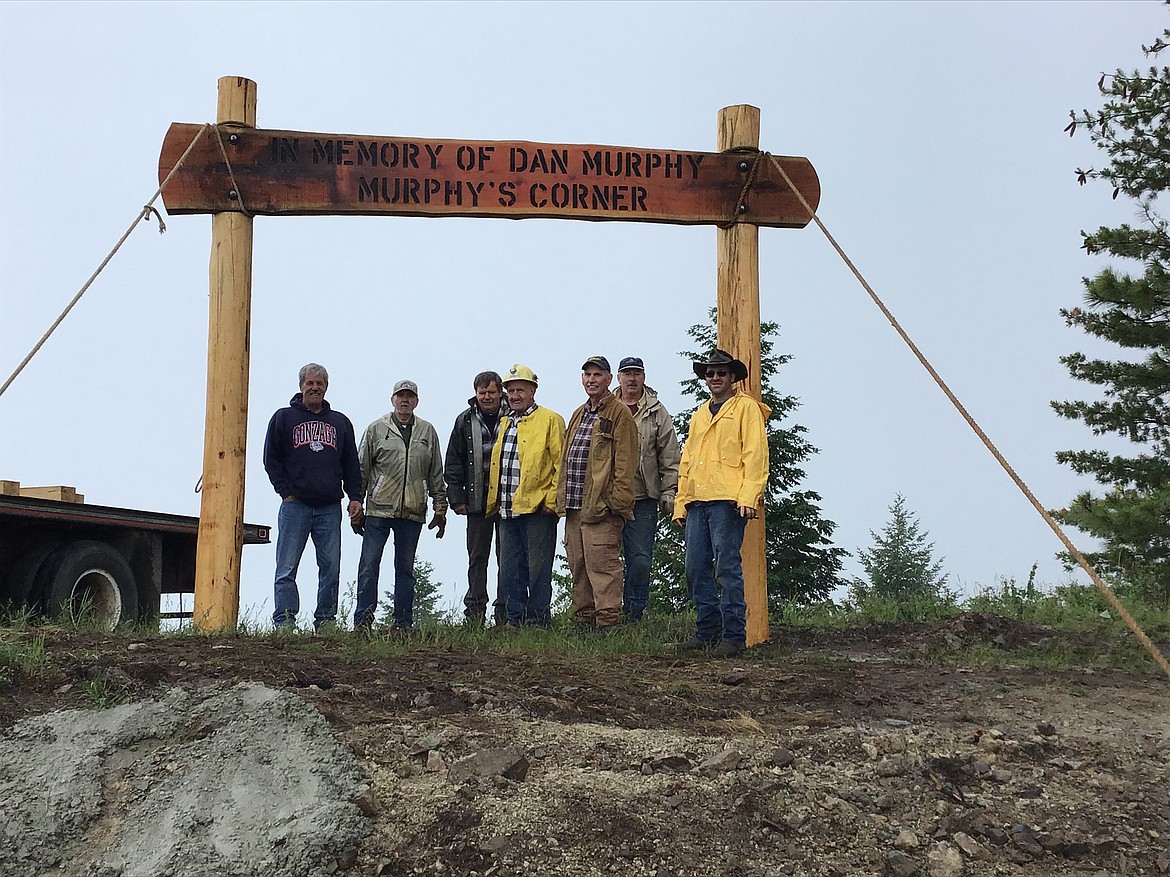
x=94 y=577
x=22 y=589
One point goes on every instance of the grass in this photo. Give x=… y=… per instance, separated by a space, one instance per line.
x=1085 y=633
x=21 y=656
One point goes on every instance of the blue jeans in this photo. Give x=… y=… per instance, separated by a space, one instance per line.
x=295 y=523
x=714 y=537
x=527 y=546
x=638 y=550
x=377 y=531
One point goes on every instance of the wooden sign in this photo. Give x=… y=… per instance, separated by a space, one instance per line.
x=294 y=173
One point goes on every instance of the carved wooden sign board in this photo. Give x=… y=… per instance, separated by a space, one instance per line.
x=295 y=173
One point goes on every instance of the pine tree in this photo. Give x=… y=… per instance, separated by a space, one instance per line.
x=802 y=563
x=426 y=596
x=900 y=565
x=1132 y=516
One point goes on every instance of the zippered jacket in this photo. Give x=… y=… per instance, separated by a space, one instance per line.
x=657 y=476
x=726 y=456
x=613 y=459
x=539 y=438
x=465 y=466
x=398 y=478
x=312 y=456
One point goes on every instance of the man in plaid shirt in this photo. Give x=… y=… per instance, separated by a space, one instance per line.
x=596 y=496
x=522 y=488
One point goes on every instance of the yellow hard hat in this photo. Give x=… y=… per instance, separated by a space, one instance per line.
x=520 y=373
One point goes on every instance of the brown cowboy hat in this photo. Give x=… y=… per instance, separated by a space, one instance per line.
x=720 y=357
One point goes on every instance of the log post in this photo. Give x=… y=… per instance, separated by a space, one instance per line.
x=221 y=515
x=738 y=332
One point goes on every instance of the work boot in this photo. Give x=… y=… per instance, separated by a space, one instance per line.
x=694 y=644
x=727 y=649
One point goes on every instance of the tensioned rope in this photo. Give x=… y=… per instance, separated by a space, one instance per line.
x=1105 y=590
x=145 y=214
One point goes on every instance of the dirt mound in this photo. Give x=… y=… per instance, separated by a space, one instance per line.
x=851 y=753
x=240 y=782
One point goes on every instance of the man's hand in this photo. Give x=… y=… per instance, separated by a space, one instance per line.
x=747 y=511
x=354 y=509
x=459 y=508
x=681 y=523
x=439 y=521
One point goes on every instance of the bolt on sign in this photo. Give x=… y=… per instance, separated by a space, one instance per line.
x=291 y=173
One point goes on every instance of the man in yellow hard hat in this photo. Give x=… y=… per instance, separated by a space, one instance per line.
x=522 y=489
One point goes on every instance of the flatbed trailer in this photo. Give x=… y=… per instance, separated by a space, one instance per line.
x=61 y=557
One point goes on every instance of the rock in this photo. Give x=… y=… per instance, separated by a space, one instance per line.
x=782 y=757
x=900 y=865
x=721 y=762
x=1162 y=863
x=493 y=844
x=890 y=767
x=671 y=762
x=1046 y=729
x=970 y=847
x=425 y=744
x=435 y=763
x=944 y=861
x=738 y=676
x=346 y=859
x=367 y=802
x=906 y=840
x=1025 y=840
x=509 y=762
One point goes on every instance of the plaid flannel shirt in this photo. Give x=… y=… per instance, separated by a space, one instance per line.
x=577 y=459
x=510 y=463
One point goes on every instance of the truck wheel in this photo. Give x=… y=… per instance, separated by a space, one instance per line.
x=91 y=580
x=19 y=590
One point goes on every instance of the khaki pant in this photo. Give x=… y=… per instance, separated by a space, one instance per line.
x=598 y=579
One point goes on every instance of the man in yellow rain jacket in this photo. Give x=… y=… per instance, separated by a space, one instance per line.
x=522 y=487
x=721 y=480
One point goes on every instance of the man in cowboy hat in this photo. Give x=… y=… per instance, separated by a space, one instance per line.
x=721 y=480
x=522 y=488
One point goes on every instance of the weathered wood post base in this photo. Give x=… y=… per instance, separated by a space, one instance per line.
x=738 y=332
x=221 y=515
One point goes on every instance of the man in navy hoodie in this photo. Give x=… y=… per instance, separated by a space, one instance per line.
x=309 y=455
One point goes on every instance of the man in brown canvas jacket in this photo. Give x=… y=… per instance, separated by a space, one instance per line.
x=595 y=493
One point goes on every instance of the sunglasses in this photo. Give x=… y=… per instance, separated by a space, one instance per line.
x=717 y=372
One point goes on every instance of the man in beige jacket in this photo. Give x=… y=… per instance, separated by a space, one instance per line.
x=655 y=481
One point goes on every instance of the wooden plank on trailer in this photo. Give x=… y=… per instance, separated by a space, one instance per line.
x=59 y=492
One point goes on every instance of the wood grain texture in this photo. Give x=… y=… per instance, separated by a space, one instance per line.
x=221 y=514
x=738 y=332
x=291 y=173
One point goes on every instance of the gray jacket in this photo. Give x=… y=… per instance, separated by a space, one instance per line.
x=657 y=475
x=397 y=478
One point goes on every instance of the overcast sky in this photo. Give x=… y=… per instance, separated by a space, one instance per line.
x=935 y=129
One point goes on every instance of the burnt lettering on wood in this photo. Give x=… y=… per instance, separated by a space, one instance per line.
x=299 y=173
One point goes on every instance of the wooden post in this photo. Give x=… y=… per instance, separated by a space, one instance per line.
x=221 y=515
x=738 y=332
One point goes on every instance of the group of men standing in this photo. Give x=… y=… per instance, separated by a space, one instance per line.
x=513 y=469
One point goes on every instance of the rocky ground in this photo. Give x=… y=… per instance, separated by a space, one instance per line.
x=871 y=751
